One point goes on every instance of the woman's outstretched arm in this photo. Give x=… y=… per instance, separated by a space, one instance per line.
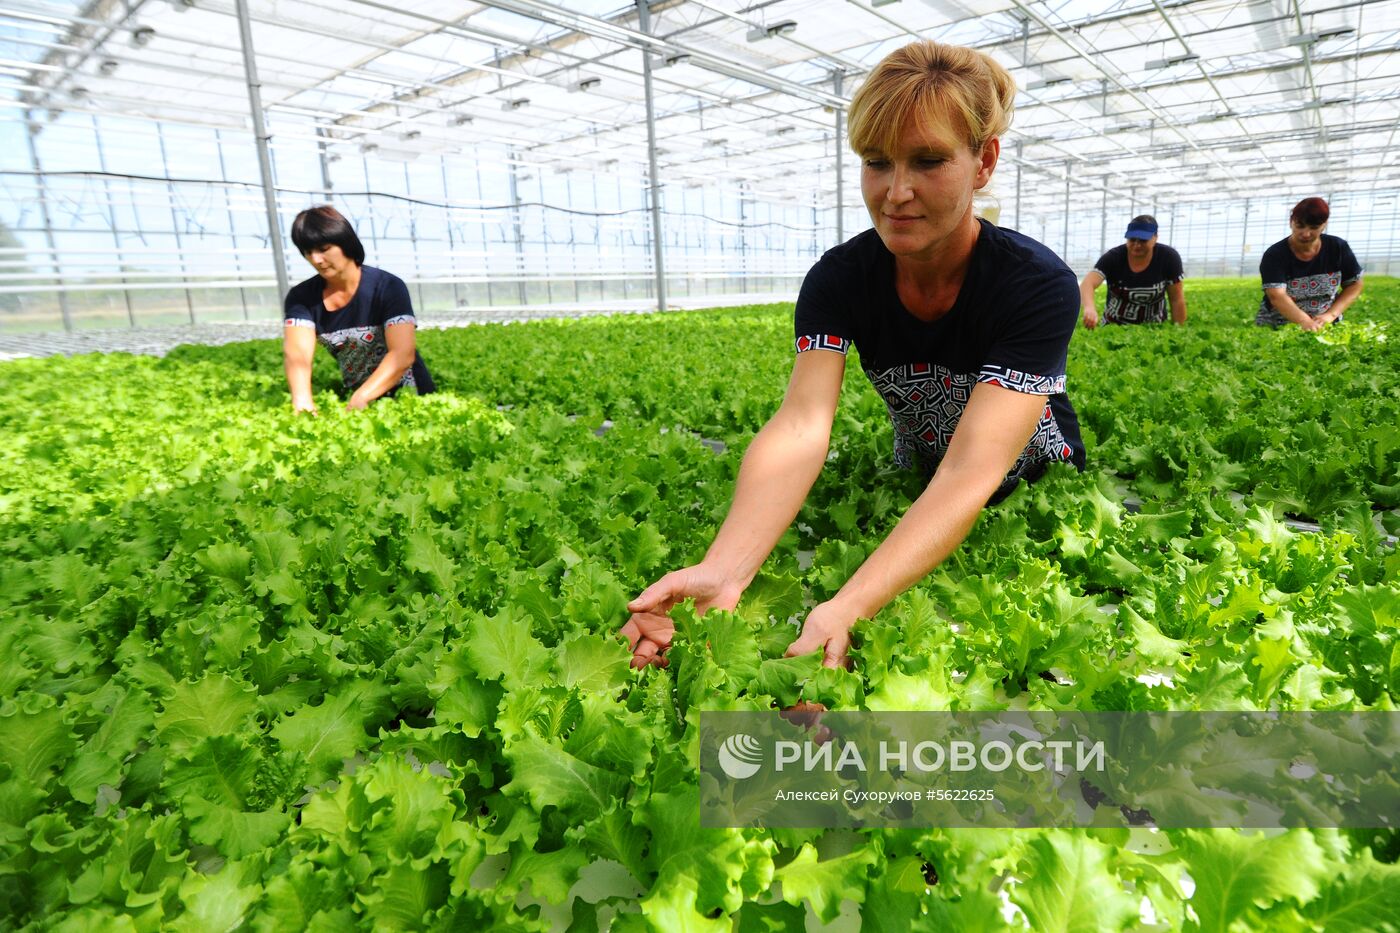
x=778 y=471
x=298 y=347
x=994 y=430
x=403 y=348
x=1176 y=297
x=1349 y=293
x=1087 y=306
x=1286 y=306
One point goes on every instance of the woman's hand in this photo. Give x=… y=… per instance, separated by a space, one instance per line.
x=649 y=630
x=1311 y=324
x=357 y=402
x=828 y=627
x=1091 y=318
x=307 y=405
x=995 y=428
x=649 y=637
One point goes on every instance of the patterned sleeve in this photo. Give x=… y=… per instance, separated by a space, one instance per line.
x=821 y=321
x=1030 y=352
x=1351 y=268
x=296 y=310
x=393 y=304
x=1175 y=271
x=1272 y=269
x=1104 y=266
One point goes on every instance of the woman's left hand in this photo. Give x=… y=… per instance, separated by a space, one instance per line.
x=357 y=403
x=828 y=627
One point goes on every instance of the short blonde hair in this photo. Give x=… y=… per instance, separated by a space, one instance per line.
x=945 y=85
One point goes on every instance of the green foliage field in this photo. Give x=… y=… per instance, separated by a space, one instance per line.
x=272 y=673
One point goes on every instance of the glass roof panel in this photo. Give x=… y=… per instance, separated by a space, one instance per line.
x=1203 y=89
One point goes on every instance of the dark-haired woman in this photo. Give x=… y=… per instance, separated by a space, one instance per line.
x=1142 y=276
x=963 y=328
x=361 y=314
x=1304 y=273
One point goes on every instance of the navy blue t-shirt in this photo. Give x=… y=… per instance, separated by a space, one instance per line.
x=1138 y=297
x=1313 y=285
x=1010 y=326
x=355 y=333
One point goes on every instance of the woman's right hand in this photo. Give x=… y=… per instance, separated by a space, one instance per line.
x=649 y=629
x=1091 y=318
x=300 y=405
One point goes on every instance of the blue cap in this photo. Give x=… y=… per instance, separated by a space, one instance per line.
x=1140 y=230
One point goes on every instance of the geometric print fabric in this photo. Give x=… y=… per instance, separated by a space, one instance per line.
x=926 y=401
x=1313 y=294
x=359 y=351
x=1136 y=305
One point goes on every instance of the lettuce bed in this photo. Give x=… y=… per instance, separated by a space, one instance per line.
x=270 y=673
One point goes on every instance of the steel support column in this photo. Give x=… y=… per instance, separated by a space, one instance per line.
x=485 y=248
x=573 y=240
x=653 y=177
x=175 y=220
x=1103 y=220
x=451 y=240
x=743 y=239
x=325 y=161
x=413 y=237
x=112 y=218
x=518 y=229
x=48 y=221
x=1065 y=239
x=232 y=220
x=840 y=174
x=1244 y=237
x=274 y=226
x=1020 y=167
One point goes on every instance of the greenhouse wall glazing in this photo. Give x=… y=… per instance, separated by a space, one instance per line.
x=154 y=223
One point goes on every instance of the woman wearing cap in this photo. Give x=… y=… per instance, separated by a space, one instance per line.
x=361 y=314
x=1142 y=276
x=962 y=327
x=1302 y=274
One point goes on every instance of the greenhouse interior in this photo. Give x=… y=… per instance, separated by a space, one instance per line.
x=708 y=541
x=527 y=154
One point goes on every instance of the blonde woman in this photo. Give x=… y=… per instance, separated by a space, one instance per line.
x=962 y=327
